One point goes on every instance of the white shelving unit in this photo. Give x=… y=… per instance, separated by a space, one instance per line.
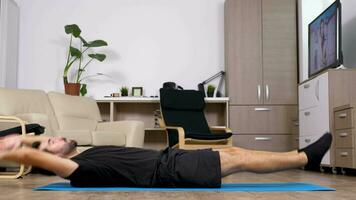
x=142 y=108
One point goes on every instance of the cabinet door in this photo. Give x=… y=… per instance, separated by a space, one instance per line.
x=308 y=94
x=279 y=51
x=243 y=43
x=280 y=143
x=314 y=121
x=262 y=119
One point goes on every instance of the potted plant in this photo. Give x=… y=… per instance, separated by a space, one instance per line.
x=76 y=55
x=124 y=91
x=211 y=89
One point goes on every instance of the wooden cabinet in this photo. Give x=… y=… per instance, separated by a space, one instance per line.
x=326 y=104
x=261 y=65
x=263 y=119
x=279 y=50
x=344 y=136
x=262 y=142
x=243 y=44
x=261 y=52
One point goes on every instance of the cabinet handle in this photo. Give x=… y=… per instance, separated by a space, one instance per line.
x=267 y=92
x=343 y=134
x=262 y=109
x=342 y=115
x=307 y=140
x=263 y=138
x=296 y=123
x=317 y=90
x=307 y=113
x=259 y=92
x=306 y=86
x=344 y=154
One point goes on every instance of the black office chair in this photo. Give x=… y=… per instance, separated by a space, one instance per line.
x=185 y=123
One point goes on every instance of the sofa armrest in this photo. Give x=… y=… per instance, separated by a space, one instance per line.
x=82 y=137
x=133 y=130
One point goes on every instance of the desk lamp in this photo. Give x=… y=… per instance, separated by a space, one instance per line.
x=218 y=93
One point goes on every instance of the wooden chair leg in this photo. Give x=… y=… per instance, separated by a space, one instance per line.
x=27 y=170
x=14 y=175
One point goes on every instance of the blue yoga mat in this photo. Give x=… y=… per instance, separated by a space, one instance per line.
x=227 y=187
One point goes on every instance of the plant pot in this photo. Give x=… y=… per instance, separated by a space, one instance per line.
x=210 y=94
x=72 y=89
x=124 y=95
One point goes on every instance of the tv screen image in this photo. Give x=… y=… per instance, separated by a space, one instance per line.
x=323 y=40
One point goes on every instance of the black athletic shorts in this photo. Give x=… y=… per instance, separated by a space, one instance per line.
x=188 y=168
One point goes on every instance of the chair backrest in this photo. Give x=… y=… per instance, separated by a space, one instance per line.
x=73 y=112
x=184 y=108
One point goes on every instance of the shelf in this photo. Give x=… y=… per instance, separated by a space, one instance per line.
x=153 y=99
x=143 y=109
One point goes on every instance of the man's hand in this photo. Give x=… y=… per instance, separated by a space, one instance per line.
x=10 y=142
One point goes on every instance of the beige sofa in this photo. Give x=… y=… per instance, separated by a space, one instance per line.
x=73 y=117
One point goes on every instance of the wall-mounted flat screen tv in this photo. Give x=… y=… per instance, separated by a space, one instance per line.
x=325 y=40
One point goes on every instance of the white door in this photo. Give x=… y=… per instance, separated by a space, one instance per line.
x=9 y=37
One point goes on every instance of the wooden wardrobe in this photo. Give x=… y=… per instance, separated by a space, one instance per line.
x=262 y=72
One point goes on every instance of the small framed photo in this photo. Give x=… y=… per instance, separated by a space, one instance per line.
x=137 y=91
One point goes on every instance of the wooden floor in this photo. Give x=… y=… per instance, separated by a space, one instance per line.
x=345 y=186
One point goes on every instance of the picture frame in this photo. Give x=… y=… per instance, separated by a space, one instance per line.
x=137 y=91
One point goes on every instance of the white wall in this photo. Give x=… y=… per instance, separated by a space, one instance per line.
x=309 y=10
x=150 y=42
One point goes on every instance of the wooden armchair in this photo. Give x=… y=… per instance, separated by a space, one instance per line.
x=185 y=123
x=21 y=169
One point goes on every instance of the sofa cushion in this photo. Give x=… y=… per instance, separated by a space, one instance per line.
x=108 y=138
x=38 y=118
x=73 y=112
x=83 y=137
x=133 y=130
x=22 y=101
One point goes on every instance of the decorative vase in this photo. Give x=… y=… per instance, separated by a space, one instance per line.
x=72 y=89
x=210 y=94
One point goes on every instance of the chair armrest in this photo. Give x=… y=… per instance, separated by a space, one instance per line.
x=13 y=119
x=220 y=129
x=133 y=130
x=180 y=130
x=37 y=118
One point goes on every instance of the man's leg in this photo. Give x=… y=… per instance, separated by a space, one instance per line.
x=236 y=159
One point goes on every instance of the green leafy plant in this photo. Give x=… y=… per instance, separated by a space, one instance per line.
x=78 y=55
x=124 y=91
x=211 y=88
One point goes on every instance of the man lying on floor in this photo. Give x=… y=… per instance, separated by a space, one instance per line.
x=103 y=166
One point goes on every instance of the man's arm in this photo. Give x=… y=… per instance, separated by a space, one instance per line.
x=28 y=140
x=63 y=167
x=14 y=141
